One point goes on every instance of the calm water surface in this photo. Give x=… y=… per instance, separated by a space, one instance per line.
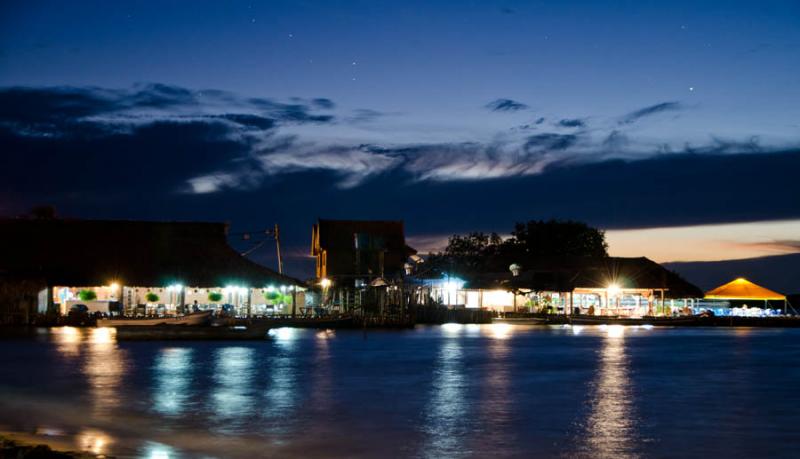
x=449 y=391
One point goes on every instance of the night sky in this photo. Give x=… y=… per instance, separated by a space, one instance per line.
x=673 y=125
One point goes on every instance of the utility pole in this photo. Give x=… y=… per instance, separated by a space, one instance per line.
x=277 y=233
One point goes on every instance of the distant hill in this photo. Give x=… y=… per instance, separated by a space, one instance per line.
x=780 y=273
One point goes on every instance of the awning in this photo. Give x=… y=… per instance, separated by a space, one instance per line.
x=743 y=289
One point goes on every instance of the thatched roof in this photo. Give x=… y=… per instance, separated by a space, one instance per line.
x=98 y=252
x=563 y=274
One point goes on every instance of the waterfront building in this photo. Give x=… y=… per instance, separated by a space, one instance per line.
x=134 y=268
x=578 y=285
x=352 y=255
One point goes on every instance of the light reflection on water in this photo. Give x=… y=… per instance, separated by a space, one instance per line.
x=232 y=394
x=446 y=411
x=610 y=428
x=172 y=380
x=496 y=403
x=459 y=390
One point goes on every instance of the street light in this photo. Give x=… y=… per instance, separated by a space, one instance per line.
x=515 y=269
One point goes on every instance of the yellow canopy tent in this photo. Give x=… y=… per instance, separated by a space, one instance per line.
x=743 y=289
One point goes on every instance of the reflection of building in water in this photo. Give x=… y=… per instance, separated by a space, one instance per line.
x=496 y=403
x=68 y=340
x=281 y=396
x=172 y=380
x=610 y=429
x=447 y=409
x=233 y=390
x=104 y=368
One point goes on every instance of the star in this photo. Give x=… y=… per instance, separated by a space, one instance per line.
x=691 y=88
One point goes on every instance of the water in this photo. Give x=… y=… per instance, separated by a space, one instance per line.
x=450 y=391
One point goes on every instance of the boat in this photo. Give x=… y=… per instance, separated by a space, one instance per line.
x=647 y=320
x=533 y=319
x=195 y=318
x=253 y=331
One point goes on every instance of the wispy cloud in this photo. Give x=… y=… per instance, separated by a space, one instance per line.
x=650 y=110
x=505 y=105
x=209 y=141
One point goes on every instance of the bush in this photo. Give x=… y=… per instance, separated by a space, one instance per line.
x=273 y=296
x=87 y=295
x=214 y=297
x=278 y=298
x=151 y=297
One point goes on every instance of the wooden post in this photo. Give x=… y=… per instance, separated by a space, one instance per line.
x=294 y=300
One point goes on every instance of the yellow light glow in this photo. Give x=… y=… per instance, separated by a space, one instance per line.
x=613 y=290
x=325 y=282
x=114 y=286
x=94 y=441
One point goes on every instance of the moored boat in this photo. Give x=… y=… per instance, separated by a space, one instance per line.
x=253 y=331
x=538 y=319
x=195 y=318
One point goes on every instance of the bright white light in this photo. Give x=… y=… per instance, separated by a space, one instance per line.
x=501 y=331
x=613 y=290
x=283 y=333
x=452 y=328
x=325 y=282
x=615 y=331
x=577 y=329
x=271 y=288
x=114 y=286
x=647 y=326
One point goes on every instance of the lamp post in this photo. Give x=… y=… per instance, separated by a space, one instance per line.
x=515 y=269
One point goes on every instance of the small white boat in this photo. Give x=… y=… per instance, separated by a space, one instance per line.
x=195 y=318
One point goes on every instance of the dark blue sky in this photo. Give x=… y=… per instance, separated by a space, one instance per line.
x=451 y=115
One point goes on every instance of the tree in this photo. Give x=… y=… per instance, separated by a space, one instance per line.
x=478 y=252
x=560 y=238
x=214 y=297
x=151 y=297
x=466 y=254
